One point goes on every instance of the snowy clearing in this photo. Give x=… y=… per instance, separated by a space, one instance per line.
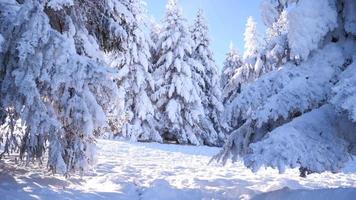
x=160 y=171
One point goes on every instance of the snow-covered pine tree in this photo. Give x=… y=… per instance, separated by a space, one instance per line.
x=252 y=55
x=276 y=50
x=207 y=77
x=176 y=96
x=62 y=101
x=301 y=115
x=233 y=62
x=252 y=41
x=132 y=58
x=260 y=57
x=252 y=63
x=155 y=29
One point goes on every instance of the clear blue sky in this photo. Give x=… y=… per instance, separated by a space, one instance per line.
x=226 y=19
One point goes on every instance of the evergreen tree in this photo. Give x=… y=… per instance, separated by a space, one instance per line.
x=252 y=42
x=300 y=115
x=132 y=59
x=276 y=50
x=233 y=62
x=266 y=58
x=208 y=80
x=155 y=30
x=177 y=98
x=62 y=101
x=251 y=66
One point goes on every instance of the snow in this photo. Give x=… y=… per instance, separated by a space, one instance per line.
x=1 y=42
x=309 y=22
x=161 y=171
x=350 y=16
x=275 y=96
x=251 y=39
x=345 y=96
x=289 y=103
x=59 y=4
x=308 y=194
x=314 y=141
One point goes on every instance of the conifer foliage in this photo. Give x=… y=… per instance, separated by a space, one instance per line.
x=300 y=115
x=177 y=96
x=132 y=58
x=207 y=77
x=233 y=62
x=50 y=105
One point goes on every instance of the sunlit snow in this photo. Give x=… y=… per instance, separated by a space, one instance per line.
x=161 y=171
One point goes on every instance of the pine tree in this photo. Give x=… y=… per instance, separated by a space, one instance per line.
x=208 y=80
x=276 y=50
x=155 y=29
x=62 y=101
x=252 y=41
x=251 y=66
x=233 y=62
x=132 y=58
x=300 y=115
x=177 y=99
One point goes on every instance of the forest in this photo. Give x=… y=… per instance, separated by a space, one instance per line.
x=75 y=72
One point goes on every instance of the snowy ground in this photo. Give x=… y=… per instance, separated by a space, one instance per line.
x=156 y=171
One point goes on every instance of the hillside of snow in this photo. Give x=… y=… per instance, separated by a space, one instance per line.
x=161 y=171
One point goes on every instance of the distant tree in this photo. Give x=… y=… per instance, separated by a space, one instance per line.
x=132 y=58
x=155 y=29
x=177 y=98
x=207 y=77
x=277 y=50
x=232 y=62
x=252 y=40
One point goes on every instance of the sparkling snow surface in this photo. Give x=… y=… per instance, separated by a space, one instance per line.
x=155 y=171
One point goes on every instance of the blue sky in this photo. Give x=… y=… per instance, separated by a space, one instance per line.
x=226 y=19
